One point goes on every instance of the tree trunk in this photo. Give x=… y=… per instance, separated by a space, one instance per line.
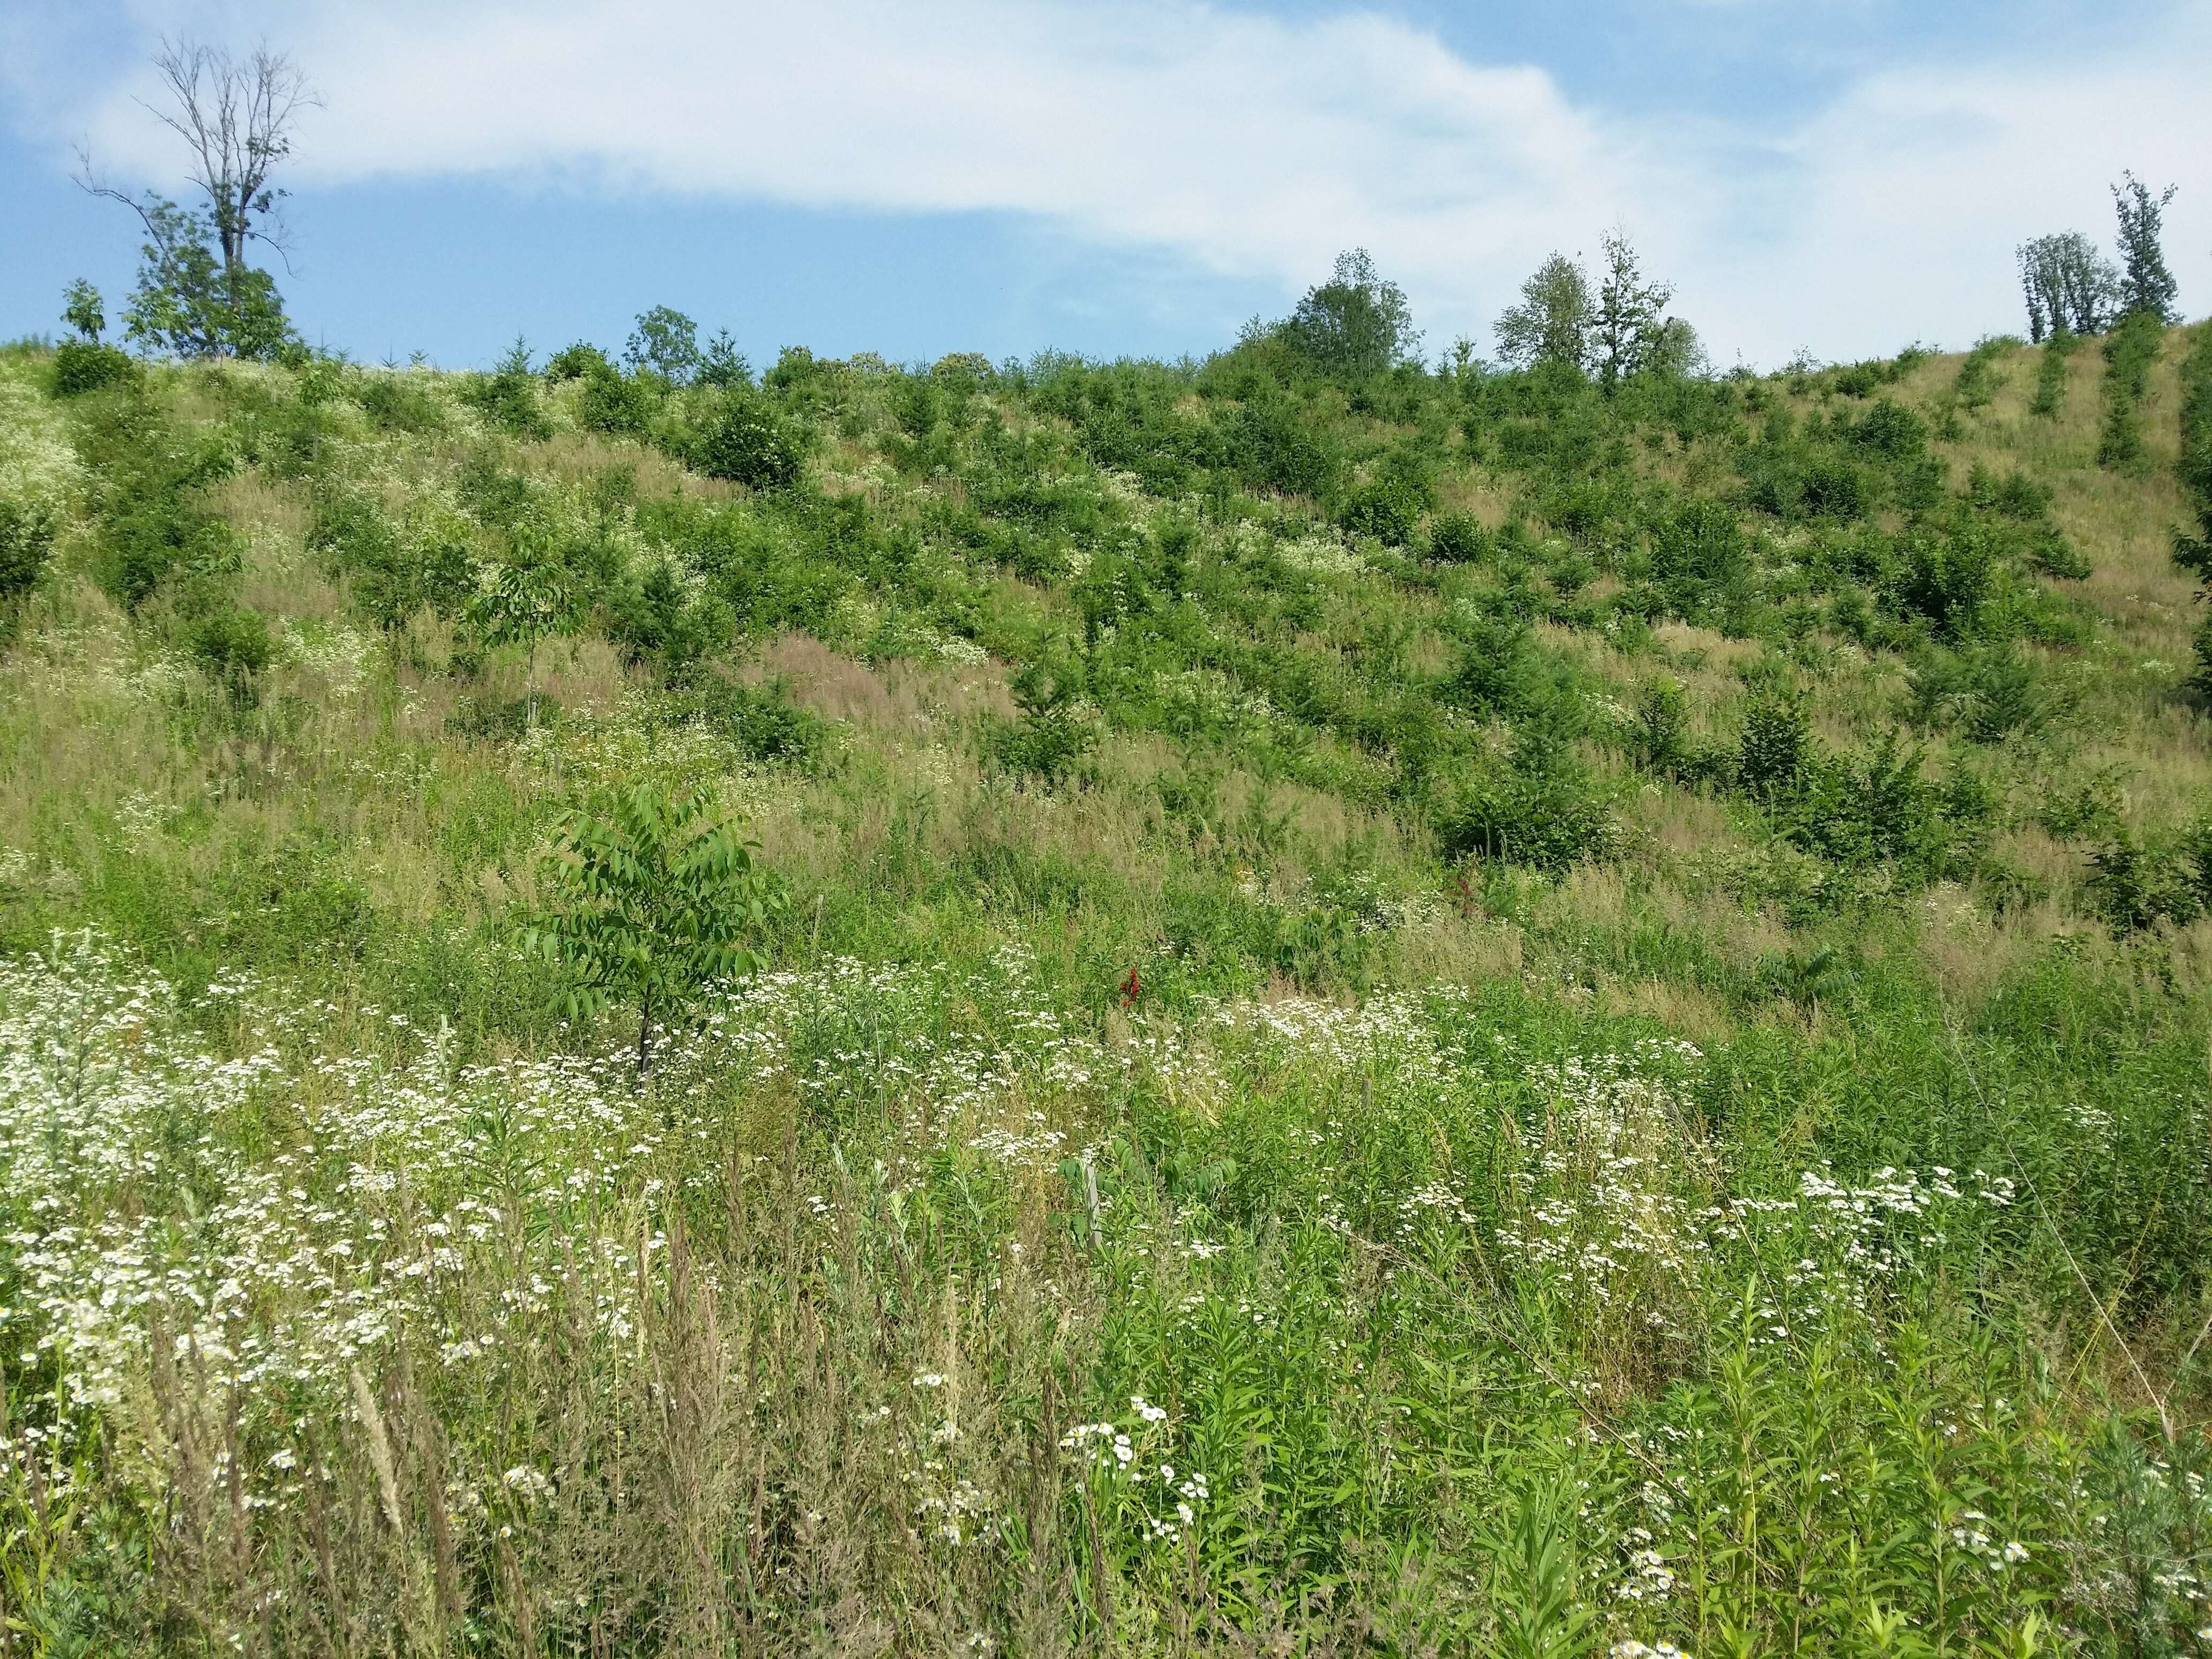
x=644 y=1037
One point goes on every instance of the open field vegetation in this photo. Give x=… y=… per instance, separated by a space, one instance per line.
x=1374 y=1010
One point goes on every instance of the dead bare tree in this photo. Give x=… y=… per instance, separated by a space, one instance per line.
x=236 y=116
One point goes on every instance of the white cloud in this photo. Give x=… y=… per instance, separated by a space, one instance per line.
x=1255 y=146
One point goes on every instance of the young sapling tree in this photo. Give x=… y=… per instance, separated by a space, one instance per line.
x=525 y=602
x=658 y=897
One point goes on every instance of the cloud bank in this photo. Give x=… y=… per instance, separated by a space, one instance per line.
x=1255 y=146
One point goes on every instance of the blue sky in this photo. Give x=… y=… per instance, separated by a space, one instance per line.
x=1130 y=176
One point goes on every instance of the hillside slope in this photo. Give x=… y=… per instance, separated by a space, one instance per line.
x=1374 y=973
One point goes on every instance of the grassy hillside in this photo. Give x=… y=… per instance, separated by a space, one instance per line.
x=1454 y=1013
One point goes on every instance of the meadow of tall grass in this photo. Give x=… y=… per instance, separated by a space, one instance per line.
x=1451 y=1013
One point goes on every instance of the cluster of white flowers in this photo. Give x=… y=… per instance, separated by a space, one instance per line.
x=39 y=471
x=1320 y=556
x=288 y=1267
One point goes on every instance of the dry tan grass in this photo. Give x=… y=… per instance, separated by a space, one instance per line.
x=1696 y=1014
x=579 y=457
x=905 y=696
x=1488 y=500
x=1457 y=949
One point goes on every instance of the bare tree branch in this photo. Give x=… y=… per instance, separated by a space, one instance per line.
x=237 y=118
x=89 y=181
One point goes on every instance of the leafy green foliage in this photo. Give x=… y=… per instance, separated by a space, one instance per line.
x=2071 y=290
x=1552 y=322
x=2050 y=374
x=149 y=522
x=617 y=405
x=27 y=541
x=1355 y=325
x=657 y=897
x=1405 y=1201
x=1459 y=538
x=391 y=575
x=2193 y=552
x=1628 y=332
x=665 y=343
x=1977 y=381
x=2130 y=350
x=189 y=302
x=84 y=311
x=1541 y=807
x=525 y=601
x=1389 y=506
x=745 y=440
x=1056 y=731
x=233 y=647
x=508 y=395
x=2147 y=287
x=82 y=366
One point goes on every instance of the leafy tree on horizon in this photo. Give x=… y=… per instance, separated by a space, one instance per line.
x=666 y=343
x=1552 y=323
x=2067 y=285
x=1626 y=332
x=1355 y=325
x=2146 y=284
x=189 y=304
x=197 y=296
x=83 y=310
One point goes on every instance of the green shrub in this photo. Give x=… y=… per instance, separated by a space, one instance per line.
x=1459 y=538
x=508 y=395
x=746 y=441
x=2132 y=886
x=389 y=579
x=575 y=361
x=1384 y=509
x=1859 y=381
x=26 y=540
x=2015 y=496
x=233 y=647
x=1270 y=445
x=1542 y=810
x=1890 y=430
x=2193 y=552
x=2199 y=680
x=2050 y=373
x=657 y=896
x=1054 y=733
x=398 y=404
x=618 y=405
x=1776 y=746
x=2007 y=700
x=1660 y=735
x=2130 y=350
x=1834 y=488
x=1949 y=579
x=149 y=522
x=1977 y=381
x=1498 y=673
x=762 y=719
x=82 y=366
x=654 y=615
